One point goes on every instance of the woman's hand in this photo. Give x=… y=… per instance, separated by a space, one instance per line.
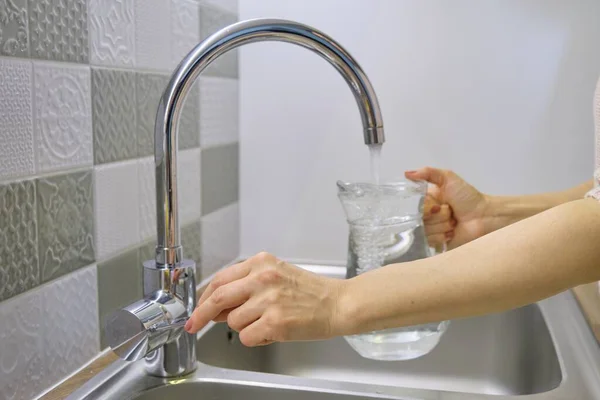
x=267 y=300
x=455 y=211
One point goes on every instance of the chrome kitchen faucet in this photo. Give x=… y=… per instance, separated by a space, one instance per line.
x=152 y=328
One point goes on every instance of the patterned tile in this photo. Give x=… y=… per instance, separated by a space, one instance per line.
x=62 y=116
x=213 y=19
x=147 y=205
x=220 y=177
x=14 y=36
x=45 y=335
x=152 y=30
x=16 y=152
x=147 y=251
x=112 y=32
x=114 y=115
x=19 y=268
x=189 y=123
x=220 y=238
x=185 y=29
x=149 y=88
x=58 y=30
x=116 y=210
x=119 y=284
x=219 y=108
x=188 y=170
x=71 y=334
x=65 y=205
x=192 y=245
x=226 y=5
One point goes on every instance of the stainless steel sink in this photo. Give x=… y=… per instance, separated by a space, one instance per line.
x=543 y=351
x=203 y=390
x=510 y=353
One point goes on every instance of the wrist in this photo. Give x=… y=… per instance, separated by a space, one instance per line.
x=345 y=318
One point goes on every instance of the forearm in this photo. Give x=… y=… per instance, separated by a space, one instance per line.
x=523 y=263
x=505 y=210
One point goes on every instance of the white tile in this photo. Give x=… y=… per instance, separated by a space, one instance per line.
x=188 y=170
x=227 y=5
x=62 y=116
x=112 y=32
x=16 y=131
x=185 y=28
x=219 y=111
x=152 y=34
x=147 y=208
x=47 y=333
x=117 y=207
x=220 y=238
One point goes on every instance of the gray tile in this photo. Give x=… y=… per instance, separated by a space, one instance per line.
x=213 y=19
x=14 y=39
x=119 y=284
x=220 y=177
x=65 y=208
x=114 y=115
x=148 y=90
x=47 y=333
x=220 y=238
x=147 y=251
x=191 y=242
x=189 y=124
x=58 y=30
x=19 y=268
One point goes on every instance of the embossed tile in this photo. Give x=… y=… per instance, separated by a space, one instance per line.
x=185 y=29
x=112 y=32
x=58 y=30
x=192 y=245
x=213 y=19
x=119 y=284
x=147 y=206
x=16 y=131
x=147 y=251
x=114 y=115
x=188 y=170
x=19 y=268
x=65 y=205
x=226 y=5
x=152 y=30
x=189 y=123
x=116 y=210
x=219 y=111
x=220 y=238
x=149 y=88
x=220 y=177
x=45 y=335
x=62 y=116
x=14 y=36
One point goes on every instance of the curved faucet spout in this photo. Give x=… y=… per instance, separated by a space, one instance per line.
x=168 y=251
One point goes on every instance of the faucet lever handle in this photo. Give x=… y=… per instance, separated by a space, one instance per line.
x=138 y=329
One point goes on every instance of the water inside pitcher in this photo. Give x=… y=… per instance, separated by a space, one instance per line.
x=386 y=227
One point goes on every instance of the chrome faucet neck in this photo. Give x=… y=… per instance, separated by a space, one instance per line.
x=168 y=250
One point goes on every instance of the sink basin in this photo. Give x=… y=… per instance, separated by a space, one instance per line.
x=203 y=390
x=510 y=353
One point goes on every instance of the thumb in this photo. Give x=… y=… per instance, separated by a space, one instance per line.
x=428 y=174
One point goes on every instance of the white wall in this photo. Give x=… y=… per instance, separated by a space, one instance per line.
x=500 y=91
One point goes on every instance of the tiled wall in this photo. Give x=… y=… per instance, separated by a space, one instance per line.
x=79 y=87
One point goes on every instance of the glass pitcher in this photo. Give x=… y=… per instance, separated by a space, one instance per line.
x=386 y=227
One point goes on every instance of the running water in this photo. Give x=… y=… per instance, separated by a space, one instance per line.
x=375 y=150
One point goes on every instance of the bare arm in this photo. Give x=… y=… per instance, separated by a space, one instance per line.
x=502 y=211
x=520 y=264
